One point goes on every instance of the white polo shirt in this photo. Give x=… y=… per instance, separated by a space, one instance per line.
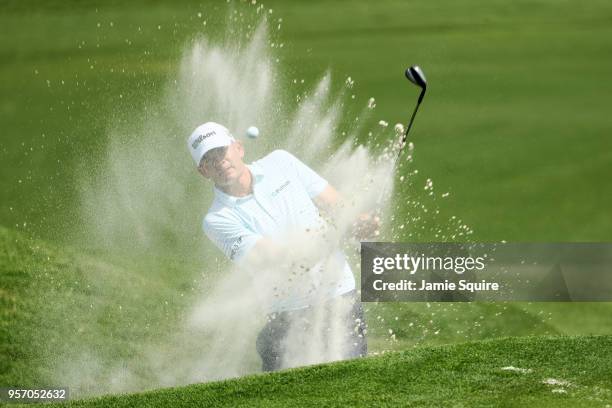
x=283 y=189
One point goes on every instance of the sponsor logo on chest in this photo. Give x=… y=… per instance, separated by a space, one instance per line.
x=280 y=188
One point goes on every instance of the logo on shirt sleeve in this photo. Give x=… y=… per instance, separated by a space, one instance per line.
x=235 y=247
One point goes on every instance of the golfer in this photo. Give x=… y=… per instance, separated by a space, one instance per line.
x=254 y=208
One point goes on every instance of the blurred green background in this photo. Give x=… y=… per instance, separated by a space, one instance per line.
x=515 y=126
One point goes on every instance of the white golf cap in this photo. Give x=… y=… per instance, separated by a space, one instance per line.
x=206 y=137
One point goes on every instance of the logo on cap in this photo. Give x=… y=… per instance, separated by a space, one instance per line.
x=201 y=138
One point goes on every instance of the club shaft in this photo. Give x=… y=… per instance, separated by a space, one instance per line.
x=405 y=137
x=401 y=148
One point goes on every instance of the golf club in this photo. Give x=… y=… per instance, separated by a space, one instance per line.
x=416 y=76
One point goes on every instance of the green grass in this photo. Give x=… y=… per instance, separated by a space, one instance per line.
x=464 y=375
x=61 y=310
x=57 y=304
x=514 y=124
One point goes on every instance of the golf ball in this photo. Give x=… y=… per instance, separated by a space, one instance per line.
x=252 y=132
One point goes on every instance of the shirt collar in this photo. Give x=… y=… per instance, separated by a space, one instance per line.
x=229 y=200
x=256 y=171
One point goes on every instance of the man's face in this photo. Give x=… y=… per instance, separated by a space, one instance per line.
x=223 y=165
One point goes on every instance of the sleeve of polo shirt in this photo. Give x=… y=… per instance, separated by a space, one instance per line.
x=310 y=179
x=230 y=236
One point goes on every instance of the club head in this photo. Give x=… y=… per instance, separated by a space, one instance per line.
x=416 y=76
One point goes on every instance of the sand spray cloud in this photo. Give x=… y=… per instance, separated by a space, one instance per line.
x=146 y=194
